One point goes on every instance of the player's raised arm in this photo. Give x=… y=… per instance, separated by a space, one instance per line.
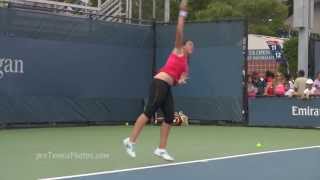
x=180 y=26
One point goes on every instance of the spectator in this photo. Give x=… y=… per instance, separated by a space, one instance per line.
x=279 y=85
x=251 y=89
x=290 y=93
x=289 y=86
x=310 y=90
x=260 y=83
x=269 y=90
x=269 y=76
x=254 y=77
x=316 y=84
x=289 y=82
x=300 y=83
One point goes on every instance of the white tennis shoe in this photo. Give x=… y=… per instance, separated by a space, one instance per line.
x=162 y=153
x=129 y=146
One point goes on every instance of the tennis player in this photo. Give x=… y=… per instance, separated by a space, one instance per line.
x=173 y=73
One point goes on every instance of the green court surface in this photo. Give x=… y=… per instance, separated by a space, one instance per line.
x=50 y=152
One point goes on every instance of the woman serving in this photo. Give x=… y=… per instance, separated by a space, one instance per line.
x=174 y=72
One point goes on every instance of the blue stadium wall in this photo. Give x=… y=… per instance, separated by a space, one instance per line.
x=62 y=69
x=284 y=112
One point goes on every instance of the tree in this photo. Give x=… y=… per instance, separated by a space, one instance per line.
x=217 y=10
x=290 y=50
x=290 y=7
x=264 y=16
x=94 y=3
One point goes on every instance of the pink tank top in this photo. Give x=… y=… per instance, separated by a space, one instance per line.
x=176 y=66
x=280 y=89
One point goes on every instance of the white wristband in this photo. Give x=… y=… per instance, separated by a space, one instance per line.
x=183 y=13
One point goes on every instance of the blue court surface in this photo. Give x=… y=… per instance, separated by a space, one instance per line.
x=288 y=164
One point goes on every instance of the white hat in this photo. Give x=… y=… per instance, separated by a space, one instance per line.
x=309 y=81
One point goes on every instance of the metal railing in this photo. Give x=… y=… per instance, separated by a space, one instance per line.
x=60 y=8
x=110 y=10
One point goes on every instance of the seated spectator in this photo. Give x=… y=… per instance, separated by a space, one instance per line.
x=316 y=85
x=290 y=93
x=251 y=89
x=300 y=83
x=310 y=90
x=289 y=85
x=269 y=76
x=260 y=83
x=289 y=82
x=269 y=90
x=279 y=85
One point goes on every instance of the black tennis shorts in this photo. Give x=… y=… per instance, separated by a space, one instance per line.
x=160 y=97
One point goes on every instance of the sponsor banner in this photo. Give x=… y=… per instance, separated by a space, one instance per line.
x=286 y=112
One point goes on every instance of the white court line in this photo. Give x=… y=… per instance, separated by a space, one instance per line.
x=180 y=163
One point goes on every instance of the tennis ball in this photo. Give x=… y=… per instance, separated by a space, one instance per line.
x=127 y=124
x=258 y=145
